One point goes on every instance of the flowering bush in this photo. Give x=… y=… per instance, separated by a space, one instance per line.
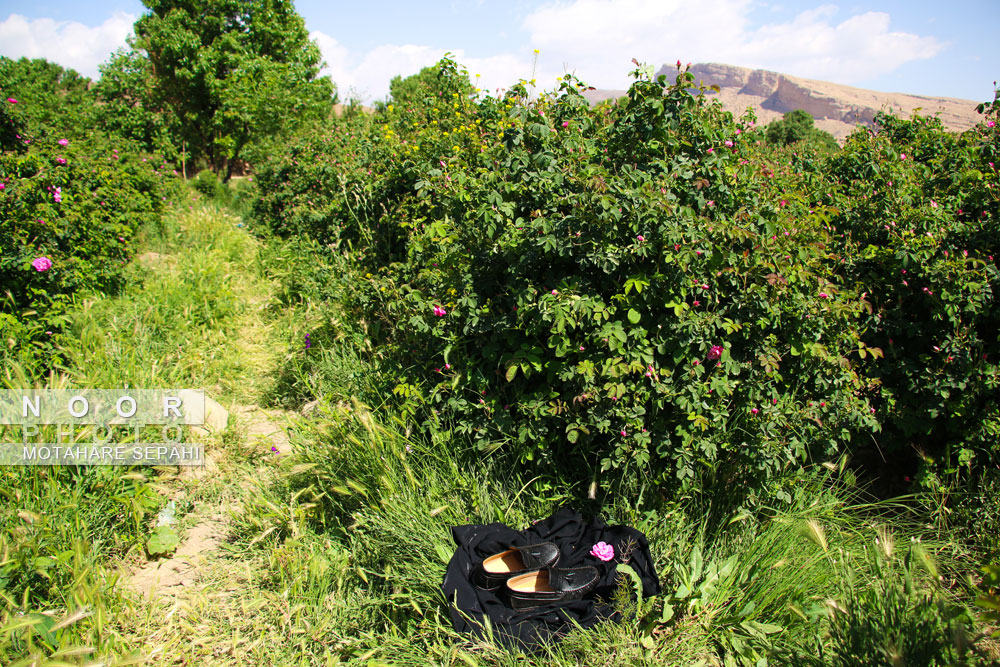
x=616 y=281
x=648 y=286
x=919 y=238
x=69 y=209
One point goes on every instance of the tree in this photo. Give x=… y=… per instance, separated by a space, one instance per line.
x=226 y=72
x=427 y=88
x=797 y=126
x=130 y=110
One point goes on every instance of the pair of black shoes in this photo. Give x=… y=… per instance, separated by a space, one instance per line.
x=527 y=577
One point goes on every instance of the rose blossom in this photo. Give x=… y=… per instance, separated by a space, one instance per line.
x=603 y=550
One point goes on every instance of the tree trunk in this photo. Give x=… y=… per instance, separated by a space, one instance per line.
x=240 y=143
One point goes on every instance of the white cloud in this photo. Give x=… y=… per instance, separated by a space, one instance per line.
x=600 y=37
x=69 y=43
x=368 y=76
x=596 y=39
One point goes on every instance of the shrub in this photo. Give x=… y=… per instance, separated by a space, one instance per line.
x=917 y=233
x=208 y=184
x=640 y=305
x=648 y=286
x=69 y=210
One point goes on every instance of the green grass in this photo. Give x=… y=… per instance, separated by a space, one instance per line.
x=348 y=549
x=191 y=316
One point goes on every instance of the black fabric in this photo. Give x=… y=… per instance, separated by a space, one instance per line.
x=472 y=608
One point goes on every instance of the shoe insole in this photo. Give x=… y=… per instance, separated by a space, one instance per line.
x=532 y=582
x=501 y=563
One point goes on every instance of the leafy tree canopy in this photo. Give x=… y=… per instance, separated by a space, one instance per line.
x=216 y=75
x=797 y=126
x=429 y=86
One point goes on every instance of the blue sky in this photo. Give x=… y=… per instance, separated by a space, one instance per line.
x=926 y=48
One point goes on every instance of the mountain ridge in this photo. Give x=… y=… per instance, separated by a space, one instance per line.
x=836 y=108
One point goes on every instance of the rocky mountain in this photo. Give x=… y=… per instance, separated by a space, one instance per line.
x=836 y=108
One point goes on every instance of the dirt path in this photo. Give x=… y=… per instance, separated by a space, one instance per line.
x=172 y=575
x=192 y=606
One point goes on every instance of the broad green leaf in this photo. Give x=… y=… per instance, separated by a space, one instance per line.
x=163 y=540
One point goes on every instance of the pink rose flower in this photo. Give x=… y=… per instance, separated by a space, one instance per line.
x=715 y=352
x=439 y=311
x=42 y=264
x=63 y=142
x=12 y=100
x=603 y=550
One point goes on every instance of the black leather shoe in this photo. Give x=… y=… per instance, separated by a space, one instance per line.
x=553 y=584
x=495 y=570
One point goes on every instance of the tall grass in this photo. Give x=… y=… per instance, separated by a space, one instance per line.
x=358 y=530
x=173 y=326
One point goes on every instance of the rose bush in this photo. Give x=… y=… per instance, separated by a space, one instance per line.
x=69 y=210
x=644 y=286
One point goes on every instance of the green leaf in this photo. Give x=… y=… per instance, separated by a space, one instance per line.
x=511 y=372
x=633 y=316
x=42 y=624
x=668 y=613
x=443 y=553
x=163 y=540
